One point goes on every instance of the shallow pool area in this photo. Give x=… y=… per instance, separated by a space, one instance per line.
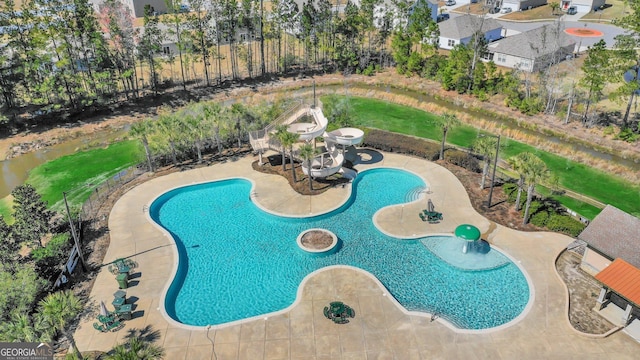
x=237 y=261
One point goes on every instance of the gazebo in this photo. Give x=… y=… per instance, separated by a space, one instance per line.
x=469 y=233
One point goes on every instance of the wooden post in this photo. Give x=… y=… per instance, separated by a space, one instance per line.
x=74 y=234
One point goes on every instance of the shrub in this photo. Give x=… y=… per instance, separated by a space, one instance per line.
x=565 y=224
x=608 y=130
x=463 y=159
x=49 y=257
x=627 y=135
x=535 y=206
x=387 y=141
x=540 y=218
x=511 y=190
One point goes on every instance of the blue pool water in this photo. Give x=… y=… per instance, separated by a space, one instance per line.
x=237 y=261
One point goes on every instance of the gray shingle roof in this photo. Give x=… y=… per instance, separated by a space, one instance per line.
x=616 y=234
x=534 y=43
x=464 y=26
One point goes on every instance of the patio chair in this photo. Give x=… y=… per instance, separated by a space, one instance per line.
x=326 y=312
x=99 y=327
x=350 y=312
x=114 y=326
x=340 y=320
x=422 y=217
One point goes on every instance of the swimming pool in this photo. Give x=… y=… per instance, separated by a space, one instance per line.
x=237 y=261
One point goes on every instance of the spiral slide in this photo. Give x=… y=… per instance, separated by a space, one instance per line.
x=330 y=162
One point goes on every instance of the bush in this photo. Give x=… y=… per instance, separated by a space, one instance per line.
x=387 y=141
x=511 y=190
x=463 y=159
x=540 y=218
x=565 y=224
x=627 y=135
x=49 y=257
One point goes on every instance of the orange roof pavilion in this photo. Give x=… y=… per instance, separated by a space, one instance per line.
x=623 y=278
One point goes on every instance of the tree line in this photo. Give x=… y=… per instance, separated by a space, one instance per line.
x=61 y=54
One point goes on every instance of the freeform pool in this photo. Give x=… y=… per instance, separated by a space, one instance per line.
x=237 y=261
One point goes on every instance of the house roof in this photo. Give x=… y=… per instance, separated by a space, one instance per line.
x=614 y=233
x=533 y=43
x=623 y=278
x=464 y=26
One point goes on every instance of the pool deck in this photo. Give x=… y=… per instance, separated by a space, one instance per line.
x=381 y=329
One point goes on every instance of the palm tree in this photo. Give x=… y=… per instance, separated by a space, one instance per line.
x=449 y=120
x=20 y=329
x=290 y=139
x=486 y=147
x=169 y=126
x=197 y=132
x=141 y=130
x=536 y=172
x=136 y=349
x=57 y=311
x=519 y=164
x=307 y=152
x=281 y=135
x=212 y=113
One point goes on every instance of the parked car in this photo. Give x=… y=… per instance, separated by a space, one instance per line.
x=442 y=17
x=494 y=10
x=450 y=2
x=505 y=10
x=572 y=10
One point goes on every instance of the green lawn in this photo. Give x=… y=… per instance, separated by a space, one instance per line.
x=574 y=176
x=79 y=173
x=5 y=209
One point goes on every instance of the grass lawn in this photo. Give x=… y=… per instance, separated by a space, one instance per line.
x=616 y=10
x=587 y=210
x=5 y=209
x=79 y=173
x=574 y=176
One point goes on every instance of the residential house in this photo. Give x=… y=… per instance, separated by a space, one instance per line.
x=583 y=6
x=612 y=255
x=460 y=30
x=518 y=5
x=532 y=50
x=610 y=235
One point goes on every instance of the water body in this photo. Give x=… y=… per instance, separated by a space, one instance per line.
x=15 y=171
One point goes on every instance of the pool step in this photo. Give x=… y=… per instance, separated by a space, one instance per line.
x=414 y=194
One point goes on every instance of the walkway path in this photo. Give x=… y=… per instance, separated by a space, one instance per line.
x=381 y=328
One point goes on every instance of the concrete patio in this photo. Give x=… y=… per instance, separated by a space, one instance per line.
x=382 y=329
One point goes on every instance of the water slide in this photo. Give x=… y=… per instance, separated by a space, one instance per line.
x=310 y=131
x=331 y=161
x=326 y=164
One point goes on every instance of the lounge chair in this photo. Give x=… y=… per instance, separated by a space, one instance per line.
x=340 y=320
x=422 y=217
x=350 y=312
x=114 y=326
x=326 y=312
x=99 y=327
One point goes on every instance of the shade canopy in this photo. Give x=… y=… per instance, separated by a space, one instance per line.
x=467 y=232
x=103 y=309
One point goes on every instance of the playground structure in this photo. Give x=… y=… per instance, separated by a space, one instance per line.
x=337 y=142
